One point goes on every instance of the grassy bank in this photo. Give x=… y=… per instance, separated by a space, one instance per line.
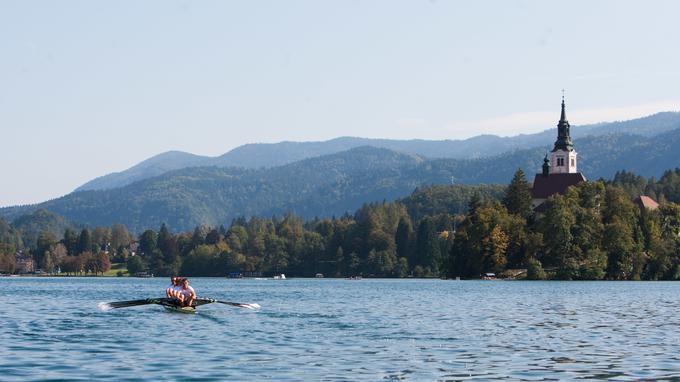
x=115 y=268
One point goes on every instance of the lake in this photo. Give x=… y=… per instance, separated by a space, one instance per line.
x=341 y=330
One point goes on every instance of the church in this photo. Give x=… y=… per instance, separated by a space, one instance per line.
x=560 y=171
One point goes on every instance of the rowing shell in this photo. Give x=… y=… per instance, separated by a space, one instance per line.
x=171 y=305
x=180 y=309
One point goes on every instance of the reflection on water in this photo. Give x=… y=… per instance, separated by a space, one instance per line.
x=342 y=330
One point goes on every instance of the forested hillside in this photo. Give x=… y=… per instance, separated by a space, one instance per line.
x=333 y=184
x=594 y=231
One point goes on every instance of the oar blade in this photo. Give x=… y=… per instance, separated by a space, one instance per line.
x=125 y=304
x=253 y=306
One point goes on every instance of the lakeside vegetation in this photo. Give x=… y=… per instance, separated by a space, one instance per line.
x=595 y=231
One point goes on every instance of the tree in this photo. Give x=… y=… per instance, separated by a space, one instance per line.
x=535 y=270
x=199 y=236
x=7 y=258
x=402 y=267
x=428 y=250
x=44 y=244
x=556 y=228
x=518 y=196
x=59 y=253
x=670 y=220
x=9 y=235
x=120 y=237
x=496 y=244
x=101 y=236
x=203 y=261
x=276 y=257
x=135 y=264
x=167 y=244
x=619 y=244
x=620 y=239
x=404 y=238
x=71 y=242
x=148 y=242
x=85 y=243
x=102 y=262
x=381 y=263
x=213 y=237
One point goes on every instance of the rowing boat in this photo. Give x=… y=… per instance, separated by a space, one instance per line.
x=172 y=305
x=180 y=309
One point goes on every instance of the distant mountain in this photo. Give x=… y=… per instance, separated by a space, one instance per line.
x=253 y=156
x=334 y=184
x=323 y=186
x=154 y=166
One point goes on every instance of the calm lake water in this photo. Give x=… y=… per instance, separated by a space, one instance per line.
x=347 y=330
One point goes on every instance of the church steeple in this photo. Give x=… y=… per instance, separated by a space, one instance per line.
x=563 y=156
x=563 y=141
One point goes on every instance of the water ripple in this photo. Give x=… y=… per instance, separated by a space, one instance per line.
x=337 y=330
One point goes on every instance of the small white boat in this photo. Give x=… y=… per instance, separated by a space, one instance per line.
x=280 y=277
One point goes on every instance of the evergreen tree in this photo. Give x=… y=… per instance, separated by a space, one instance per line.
x=167 y=244
x=148 y=242
x=428 y=254
x=85 y=243
x=556 y=228
x=136 y=264
x=518 y=196
x=71 y=242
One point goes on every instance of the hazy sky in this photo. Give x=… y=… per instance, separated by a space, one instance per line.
x=92 y=87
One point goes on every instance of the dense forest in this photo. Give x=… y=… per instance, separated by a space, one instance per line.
x=594 y=231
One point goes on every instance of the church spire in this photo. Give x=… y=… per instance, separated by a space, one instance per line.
x=563 y=141
x=546 y=165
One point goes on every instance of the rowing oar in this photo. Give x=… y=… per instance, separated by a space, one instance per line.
x=125 y=304
x=253 y=306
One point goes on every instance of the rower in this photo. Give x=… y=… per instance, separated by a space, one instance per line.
x=186 y=293
x=170 y=291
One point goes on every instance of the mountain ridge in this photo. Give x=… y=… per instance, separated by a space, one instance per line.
x=333 y=184
x=256 y=155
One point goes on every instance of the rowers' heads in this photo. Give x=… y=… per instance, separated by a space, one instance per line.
x=185 y=282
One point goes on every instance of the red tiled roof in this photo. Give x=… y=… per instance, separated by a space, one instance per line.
x=544 y=186
x=646 y=202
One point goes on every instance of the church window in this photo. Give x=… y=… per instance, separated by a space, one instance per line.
x=573 y=162
x=560 y=162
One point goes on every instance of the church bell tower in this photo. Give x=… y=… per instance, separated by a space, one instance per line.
x=563 y=156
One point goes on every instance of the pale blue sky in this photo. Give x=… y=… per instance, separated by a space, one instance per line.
x=92 y=87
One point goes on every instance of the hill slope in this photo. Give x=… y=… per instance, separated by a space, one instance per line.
x=333 y=184
x=254 y=156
